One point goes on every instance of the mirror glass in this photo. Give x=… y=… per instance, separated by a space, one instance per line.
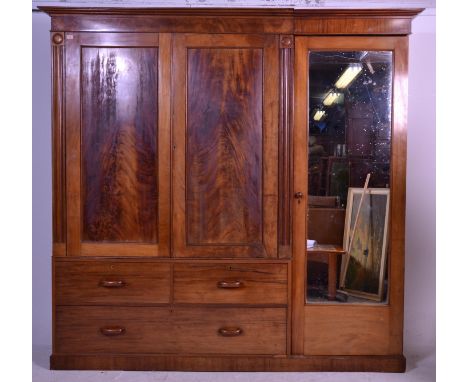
x=349 y=122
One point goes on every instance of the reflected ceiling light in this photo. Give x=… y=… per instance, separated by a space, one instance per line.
x=319 y=114
x=348 y=76
x=330 y=98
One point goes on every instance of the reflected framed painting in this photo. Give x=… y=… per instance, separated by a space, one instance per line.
x=364 y=269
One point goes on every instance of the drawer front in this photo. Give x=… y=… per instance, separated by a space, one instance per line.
x=162 y=330
x=93 y=329
x=231 y=283
x=111 y=282
x=231 y=330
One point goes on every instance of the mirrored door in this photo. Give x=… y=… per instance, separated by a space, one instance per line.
x=349 y=149
x=348 y=175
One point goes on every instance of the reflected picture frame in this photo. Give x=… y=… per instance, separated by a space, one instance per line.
x=363 y=273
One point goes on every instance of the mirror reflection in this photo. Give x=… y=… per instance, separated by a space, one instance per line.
x=348 y=175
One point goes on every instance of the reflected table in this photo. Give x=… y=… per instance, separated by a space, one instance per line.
x=328 y=254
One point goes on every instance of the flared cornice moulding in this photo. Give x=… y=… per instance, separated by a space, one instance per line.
x=296 y=4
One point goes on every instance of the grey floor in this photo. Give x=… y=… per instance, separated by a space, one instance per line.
x=420 y=368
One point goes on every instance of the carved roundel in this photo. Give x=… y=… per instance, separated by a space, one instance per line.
x=286 y=41
x=57 y=38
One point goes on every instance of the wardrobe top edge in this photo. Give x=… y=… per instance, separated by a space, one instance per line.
x=271 y=12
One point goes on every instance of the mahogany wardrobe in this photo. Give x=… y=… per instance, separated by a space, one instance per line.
x=212 y=208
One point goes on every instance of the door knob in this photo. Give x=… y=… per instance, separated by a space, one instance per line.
x=298 y=195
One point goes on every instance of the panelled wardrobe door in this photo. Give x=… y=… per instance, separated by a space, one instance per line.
x=225 y=122
x=118 y=139
x=350 y=147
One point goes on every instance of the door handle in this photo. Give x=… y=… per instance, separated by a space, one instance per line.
x=298 y=195
x=230 y=332
x=112 y=283
x=229 y=284
x=112 y=331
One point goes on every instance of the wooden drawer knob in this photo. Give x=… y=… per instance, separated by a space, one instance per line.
x=230 y=332
x=111 y=331
x=229 y=284
x=112 y=283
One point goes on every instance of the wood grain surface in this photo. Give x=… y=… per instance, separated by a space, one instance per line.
x=299 y=208
x=164 y=330
x=347 y=330
x=224 y=146
x=119 y=144
x=225 y=120
x=235 y=20
x=396 y=255
x=58 y=141
x=81 y=283
x=222 y=363
x=285 y=146
x=176 y=133
x=351 y=24
x=382 y=329
x=255 y=283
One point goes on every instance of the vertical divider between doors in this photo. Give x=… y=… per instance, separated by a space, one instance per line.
x=165 y=73
x=164 y=143
x=299 y=142
x=284 y=146
x=73 y=142
x=58 y=146
x=396 y=265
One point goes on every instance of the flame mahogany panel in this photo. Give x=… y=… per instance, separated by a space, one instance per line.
x=119 y=144
x=225 y=136
x=224 y=146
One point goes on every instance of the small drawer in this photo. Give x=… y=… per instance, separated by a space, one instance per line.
x=231 y=283
x=111 y=282
x=121 y=330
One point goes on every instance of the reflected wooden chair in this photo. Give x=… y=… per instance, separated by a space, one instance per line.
x=325 y=224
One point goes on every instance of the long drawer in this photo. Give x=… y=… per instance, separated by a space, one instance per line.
x=111 y=282
x=231 y=283
x=162 y=330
